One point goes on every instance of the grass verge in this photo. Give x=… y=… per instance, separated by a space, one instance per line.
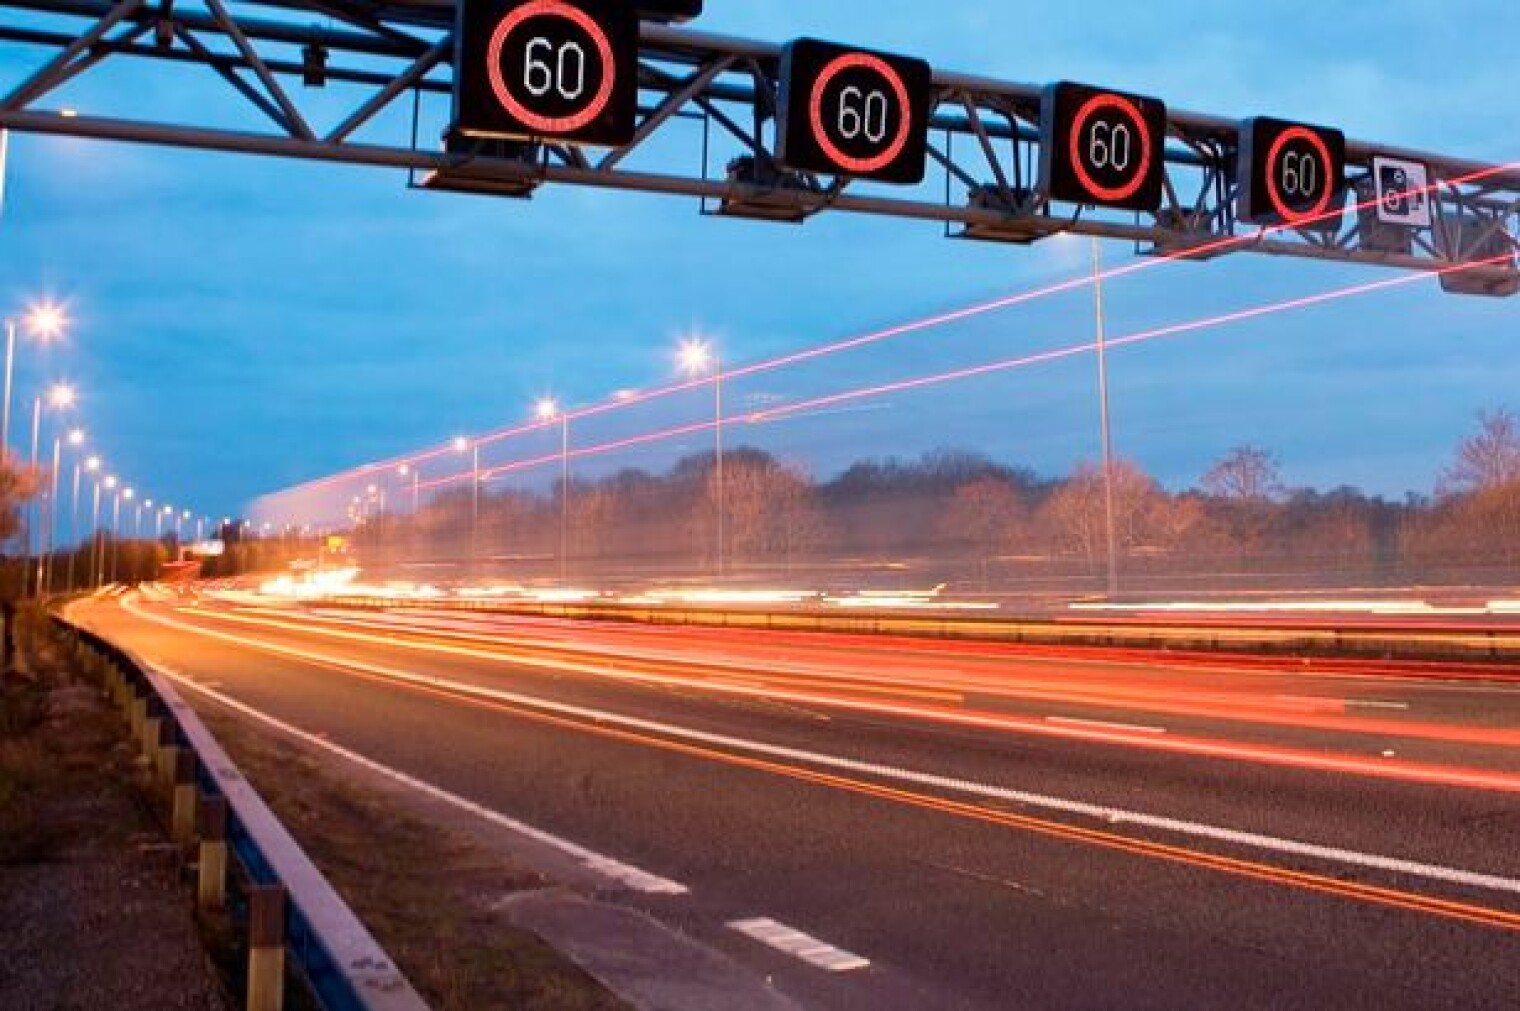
x=425 y=892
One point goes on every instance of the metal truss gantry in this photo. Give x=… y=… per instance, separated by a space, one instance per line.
x=716 y=96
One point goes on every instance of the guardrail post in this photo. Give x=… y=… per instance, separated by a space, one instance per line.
x=182 y=820
x=137 y=712
x=266 y=948
x=211 y=892
x=167 y=753
x=151 y=729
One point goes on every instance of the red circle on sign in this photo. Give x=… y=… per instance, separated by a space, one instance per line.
x=524 y=115
x=1111 y=194
x=1274 y=192
x=837 y=66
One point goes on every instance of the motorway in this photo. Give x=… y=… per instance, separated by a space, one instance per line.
x=912 y=823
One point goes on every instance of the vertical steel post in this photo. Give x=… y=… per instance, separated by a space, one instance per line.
x=1103 y=422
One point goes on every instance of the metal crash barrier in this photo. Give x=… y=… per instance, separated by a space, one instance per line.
x=247 y=863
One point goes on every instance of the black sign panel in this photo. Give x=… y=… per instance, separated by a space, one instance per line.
x=1292 y=174
x=552 y=69
x=1102 y=147
x=856 y=113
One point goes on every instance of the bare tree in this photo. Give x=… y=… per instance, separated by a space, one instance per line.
x=1075 y=513
x=1244 y=474
x=1487 y=459
x=982 y=518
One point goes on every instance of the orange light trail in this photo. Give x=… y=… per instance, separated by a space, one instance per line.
x=929 y=678
x=1407 y=901
x=679 y=675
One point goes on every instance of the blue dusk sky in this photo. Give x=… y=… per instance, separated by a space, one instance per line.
x=242 y=324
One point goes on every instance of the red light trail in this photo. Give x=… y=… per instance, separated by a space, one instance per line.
x=878 y=336
x=968 y=372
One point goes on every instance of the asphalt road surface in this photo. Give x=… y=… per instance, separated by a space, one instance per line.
x=916 y=824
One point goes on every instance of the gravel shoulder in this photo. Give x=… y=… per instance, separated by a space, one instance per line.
x=93 y=913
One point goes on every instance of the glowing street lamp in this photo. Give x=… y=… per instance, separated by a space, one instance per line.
x=548 y=410
x=75 y=440
x=415 y=473
x=46 y=322
x=698 y=357
x=98 y=558
x=463 y=445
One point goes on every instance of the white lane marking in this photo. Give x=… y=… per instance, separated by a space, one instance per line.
x=1321 y=703
x=1111 y=815
x=633 y=877
x=799 y=945
x=1072 y=721
x=1375 y=704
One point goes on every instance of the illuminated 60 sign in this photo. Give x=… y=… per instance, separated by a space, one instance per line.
x=1292 y=174
x=1102 y=147
x=555 y=69
x=851 y=112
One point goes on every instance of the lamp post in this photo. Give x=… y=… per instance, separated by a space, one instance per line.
x=128 y=494
x=92 y=465
x=548 y=410
x=463 y=445
x=1103 y=420
x=405 y=471
x=46 y=321
x=698 y=358
x=75 y=439
x=58 y=397
x=98 y=556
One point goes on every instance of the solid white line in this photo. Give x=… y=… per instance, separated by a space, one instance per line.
x=1375 y=704
x=633 y=877
x=1072 y=721
x=1100 y=812
x=799 y=945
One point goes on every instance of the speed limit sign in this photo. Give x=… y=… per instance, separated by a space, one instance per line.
x=552 y=69
x=853 y=112
x=1292 y=174
x=1101 y=147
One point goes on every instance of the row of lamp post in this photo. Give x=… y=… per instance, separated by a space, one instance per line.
x=45 y=323
x=696 y=358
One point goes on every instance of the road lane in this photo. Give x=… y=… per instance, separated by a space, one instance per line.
x=977 y=910
x=1437 y=823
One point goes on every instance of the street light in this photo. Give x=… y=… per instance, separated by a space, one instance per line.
x=126 y=494
x=1103 y=420
x=548 y=410
x=698 y=358
x=415 y=473
x=75 y=439
x=59 y=397
x=463 y=445
x=92 y=464
x=98 y=556
x=46 y=322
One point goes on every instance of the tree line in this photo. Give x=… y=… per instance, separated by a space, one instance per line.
x=963 y=518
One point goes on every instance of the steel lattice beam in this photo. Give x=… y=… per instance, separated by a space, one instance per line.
x=985 y=132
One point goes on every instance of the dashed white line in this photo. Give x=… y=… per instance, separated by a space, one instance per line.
x=1072 y=721
x=632 y=877
x=1375 y=704
x=799 y=945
